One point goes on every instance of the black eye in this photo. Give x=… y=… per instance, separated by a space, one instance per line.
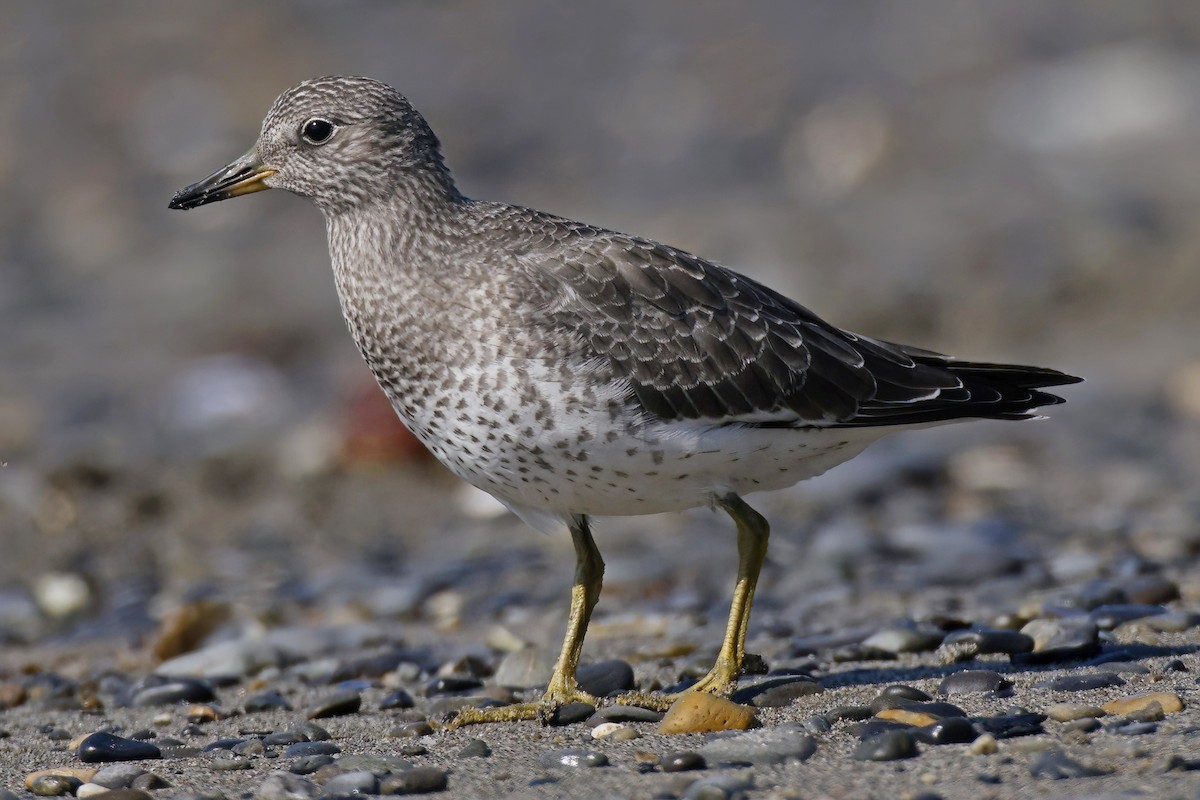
x=317 y=130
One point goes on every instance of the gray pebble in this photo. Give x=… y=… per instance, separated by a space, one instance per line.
x=311 y=749
x=620 y=713
x=525 y=669
x=718 y=787
x=1135 y=728
x=250 y=747
x=225 y=761
x=417 y=780
x=269 y=700
x=682 y=761
x=116 y=776
x=887 y=746
x=776 y=745
x=101 y=747
x=848 y=713
x=1060 y=640
x=1110 y=616
x=905 y=636
x=337 y=704
x=1057 y=765
x=974 y=681
x=1123 y=667
x=377 y=764
x=284 y=786
x=148 y=782
x=475 y=748
x=816 y=725
x=357 y=782
x=176 y=691
x=412 y=730
x=776 y=692
x=571 y=713
x=284 y=738
x=606 y=677
x=398 y=699
x=573 y=757
x=307 y=765
x=1080 y=683
x=1088 y=725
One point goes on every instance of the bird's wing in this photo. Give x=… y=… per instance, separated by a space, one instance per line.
x=698 y=341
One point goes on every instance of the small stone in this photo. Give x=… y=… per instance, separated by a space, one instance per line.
x=905 y=637
x=1168 y=701
x=250 y=747
x=307 y=765
x=1080 y=683
x=312 y=749
x=776 y=692
x=778 y=745
x=417 y=780
x=183 y=690
x=1067 y=712
x=1063 y=639
x=378 y=764
x=81 y=775
x=718 y=787
x=951 y=730
x=475 y=748
x=1123 y=667
x=351 y=783
x=12 y=694
x=90 y=789
x=1110 y=616
x=967 y=644
x=1085 y=725
x=1055 y=765
x=848 y=713
x=886 y=746
x=284 y=786
x=683 y=761
x=1172 y=622
x=452 y=684
x=606 y=729
x=269 y=700
x=399 y=699
x=117 y=776
x=54 y=785
x=571 y=713
x=605 y=678
x=705 y=713
x=102 y=747
x=412 y=730
x=897 y=695
x=527 y=668
x=1135 y=728
x=200 y=714
x=984 y=745
x=621 y=713
x=1150 y=589
x=573 y=757
x=337 y=704
x=225 y=761
x=1008 y=726
x=906 y=717
x=974 y=681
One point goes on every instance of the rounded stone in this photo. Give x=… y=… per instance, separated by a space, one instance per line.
x=1081 y=683
x=974 y=681
x=573 y=757
x=337 y=704
x=682 y=761
x=399 y=699
x=951 y=730
x=269 y=700
x=175 y=691
x=571 y=713
x=606 y=678
x=311 y=749
x=475 y=748
x=776 y=745
x=282 y=786
x=1168 y=701
x=54 y=785
x=1068 y=712
x=886 y=746
x=705 y=713
x=416 y=780
x=351 y=783
x=102 y=747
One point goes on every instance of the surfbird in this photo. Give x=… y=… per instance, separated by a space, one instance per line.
x=573 y=371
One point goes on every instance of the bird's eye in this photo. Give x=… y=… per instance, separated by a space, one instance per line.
x=317 y=131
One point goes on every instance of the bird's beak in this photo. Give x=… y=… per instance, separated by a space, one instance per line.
x=243 y=176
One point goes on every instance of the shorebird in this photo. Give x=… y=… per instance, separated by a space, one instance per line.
x=572 y=371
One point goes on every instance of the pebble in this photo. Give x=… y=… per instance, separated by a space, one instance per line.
x=1168 y=701
x=1085 y=725
x=905 y=636
x=399 y=699
x=337 y=704
x=285 y=786
x=351 y=783
x=54 y=785
x=1172 y=622
x=967 y=644
x=1135 y=728
x=1060 y=640
x=1054 y=764
x=1068 y=712
x=1008 y=726
x=1110 y=616
x=606 y=678
x=897 y=695
x=573 y=757
x=606 y=729
x=718 y=787
x=1123 y=667
x=848 y=713
x=951 y=730
x=225 y=761
x=1150 y=589
x=682 y=761
x=974 y=681
x=775 y=745
x=102 y=747
x=1080 y=683
x=984 y=745
x=81 y=774
x=886 y=746
x=622 y=713
x=182 y=690
x=776 y=692
x=705 y=713
x=311 y=749
x=478 y=748
x=571 y=713
x=412 y=730
x=417 y=780
x=250 y=747
x=378 y=764
x=526 y=668
x=452 y=684
x=116 y=776
x=269 y=700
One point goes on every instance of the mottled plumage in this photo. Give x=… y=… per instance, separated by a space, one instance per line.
x=571 y=370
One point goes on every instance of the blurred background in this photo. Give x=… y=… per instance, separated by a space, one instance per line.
x=183 y=416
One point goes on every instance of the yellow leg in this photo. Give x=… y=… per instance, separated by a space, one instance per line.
x=563 y=688
x=752 y=534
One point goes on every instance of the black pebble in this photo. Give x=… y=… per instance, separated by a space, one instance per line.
x=101 y=747
x=475 y=748
x=887 y=746
x=952 y=730
x=307 y=765
x=268 y=700
x=1007 y=726
x=682 y=761
x=605 y=677
x=338 y=704
x=312 y=749
x=452 y=685
x=974 y=681
x=397 y=699
x=571 y=713
x=183 y=690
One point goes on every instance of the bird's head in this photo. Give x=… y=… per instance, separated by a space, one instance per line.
x=341 y=142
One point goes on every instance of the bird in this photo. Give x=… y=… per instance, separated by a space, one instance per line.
x=573 y=371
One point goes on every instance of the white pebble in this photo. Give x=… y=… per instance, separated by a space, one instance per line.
x=606 y=729
x=89 y=789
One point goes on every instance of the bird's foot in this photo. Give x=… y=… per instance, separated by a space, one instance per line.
x=543 y=710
